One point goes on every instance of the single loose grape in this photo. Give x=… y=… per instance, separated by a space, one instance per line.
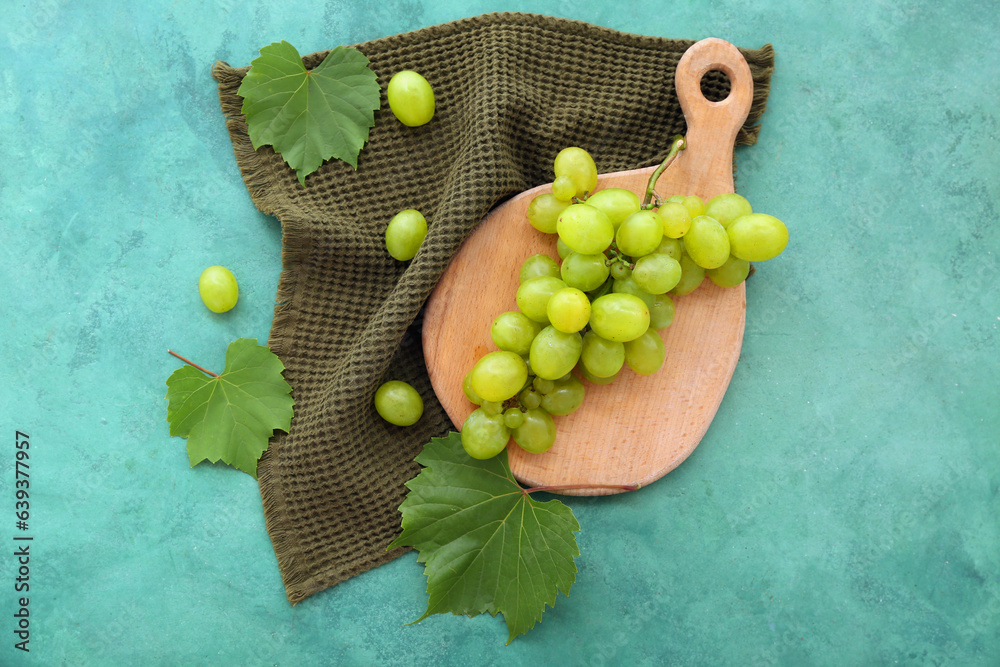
x=619 y=317
x=568 y=310
x=398 y=403
x=538 y=265
x=707 y=242
x=645 y=354
x=757 y=237
x=533 y=296
x=585 y=229
x=538 y=432
x=726 y=207
x=544 y=210
x=578 y=165
x=218 y=289
x=555 y=353
x=497 y=376
x=484 y=435
x=513 y=331
x=411 y=98
x=564 y=188
x=404 y=234
x=730 y=274
x=617 y=203
x=640 y=233
x=676 y=219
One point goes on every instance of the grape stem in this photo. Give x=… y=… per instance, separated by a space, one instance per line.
x=191 y=363
x=676 y=147
x=572 y=487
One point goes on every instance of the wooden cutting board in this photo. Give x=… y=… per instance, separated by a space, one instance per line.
x=638 y=428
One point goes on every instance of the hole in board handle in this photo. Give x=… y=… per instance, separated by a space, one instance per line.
x=715 y=85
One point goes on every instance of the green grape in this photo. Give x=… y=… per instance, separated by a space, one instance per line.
x=605 y=288
x=513 y=417
x=568 y=310
x=730 y=274
x=543 y=386
x=585 y=229
x=483 y=435
x=593 y=379
x=533 y=296
x=628 y=285
x=676 y=219
x=492 y=407
x=707 y=242
x=757 y=237
x=619 y=317
x=555 y=353
x=670 y=247
x=562 y=249
x=497 y=376
x=538 y=432
x=727 y=207
x=411 y=98
x=694 y=205
x=544 y=210
x=404 y=234
x=564 y=188
x=584 y=272
x=565 y=397
x=513 y=331
x=398 y=403
x=661 y=313
x=656 y=274
x=577 y=164
x=470 y=393
x=691 y=277
x=640 y=233
x=617 y=203
x=538 y=265
x=645 y=354
x=218 y=289
x=620 y=270
x=601 y=357
x=529 y=399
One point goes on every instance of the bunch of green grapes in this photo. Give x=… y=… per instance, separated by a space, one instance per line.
x=602 y=307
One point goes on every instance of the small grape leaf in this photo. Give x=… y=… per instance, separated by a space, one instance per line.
x=309 y=116
x=488 y=547
x=232 y=416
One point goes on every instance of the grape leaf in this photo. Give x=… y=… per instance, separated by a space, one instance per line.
x=488 y=547
x=309 y=116
x=232 y=416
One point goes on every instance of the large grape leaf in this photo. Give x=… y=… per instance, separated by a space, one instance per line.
x=488 y=547
x=309 y=116
x=232 y=416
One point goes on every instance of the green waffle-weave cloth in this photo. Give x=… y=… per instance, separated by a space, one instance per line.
x=512 y=90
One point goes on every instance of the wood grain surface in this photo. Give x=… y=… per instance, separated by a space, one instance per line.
x=638 y=428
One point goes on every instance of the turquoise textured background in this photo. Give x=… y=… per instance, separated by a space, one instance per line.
x=842 y=509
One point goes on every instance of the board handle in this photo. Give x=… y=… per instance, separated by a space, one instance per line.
x=711 y=126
